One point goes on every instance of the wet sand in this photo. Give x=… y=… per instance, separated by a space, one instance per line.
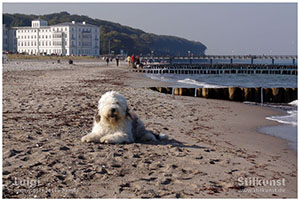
x=213 y=143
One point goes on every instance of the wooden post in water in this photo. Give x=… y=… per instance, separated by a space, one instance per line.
x=261 y=96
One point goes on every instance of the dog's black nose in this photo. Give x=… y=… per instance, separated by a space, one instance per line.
x=113 y=110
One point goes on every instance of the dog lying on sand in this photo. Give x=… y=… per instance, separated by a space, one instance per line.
x=115 y=124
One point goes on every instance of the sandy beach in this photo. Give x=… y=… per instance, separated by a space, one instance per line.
x=213 y=145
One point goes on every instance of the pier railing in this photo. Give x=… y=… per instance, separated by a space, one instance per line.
x=218 y=69
x=230 y=58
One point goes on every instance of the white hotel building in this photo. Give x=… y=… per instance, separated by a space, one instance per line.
x=61 y=39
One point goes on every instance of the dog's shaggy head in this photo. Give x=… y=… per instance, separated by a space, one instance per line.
x=112 y=107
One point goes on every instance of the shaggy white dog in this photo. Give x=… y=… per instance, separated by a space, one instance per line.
x=114 y=124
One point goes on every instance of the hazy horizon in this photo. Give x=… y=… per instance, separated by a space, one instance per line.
x=225 y=28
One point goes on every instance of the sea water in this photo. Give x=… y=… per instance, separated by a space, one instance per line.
x=288 y=122
x=227 y=80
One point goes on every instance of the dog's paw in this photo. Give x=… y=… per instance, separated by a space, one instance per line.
x=85 y=139
x=105 y=140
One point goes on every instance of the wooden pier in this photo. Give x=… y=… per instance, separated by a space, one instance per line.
x=218 y=69
x=230 y=58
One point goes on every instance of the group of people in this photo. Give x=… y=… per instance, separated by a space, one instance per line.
x=107 y=59
x=134 y=61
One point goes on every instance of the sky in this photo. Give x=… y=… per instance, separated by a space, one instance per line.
x=224 y=28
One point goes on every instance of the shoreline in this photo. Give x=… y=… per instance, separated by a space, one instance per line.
x=261 y=129
x=213 y=142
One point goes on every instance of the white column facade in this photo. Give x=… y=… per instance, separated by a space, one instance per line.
x=62 y=39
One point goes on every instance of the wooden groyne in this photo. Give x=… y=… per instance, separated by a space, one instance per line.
x=218 y=69
x=259 y=95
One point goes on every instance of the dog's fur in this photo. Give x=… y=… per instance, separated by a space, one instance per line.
x=115 y=124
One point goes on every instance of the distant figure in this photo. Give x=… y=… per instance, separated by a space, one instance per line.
x=132 y=61
x=107 y=61
x=117 y=61
x=128 y=60
x=137 y=61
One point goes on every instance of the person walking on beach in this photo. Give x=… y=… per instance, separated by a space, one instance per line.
x=117 y=61
x=132 y=61
x=128 y=60
x=107 y=61
x=137 y=61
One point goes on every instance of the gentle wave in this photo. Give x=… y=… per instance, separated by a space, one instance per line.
x=197 y=83
x=294 y=103
x=290 y=118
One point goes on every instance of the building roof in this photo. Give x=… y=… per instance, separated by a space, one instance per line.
x=30 y=27
x=60 y=24
x=76 y=23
